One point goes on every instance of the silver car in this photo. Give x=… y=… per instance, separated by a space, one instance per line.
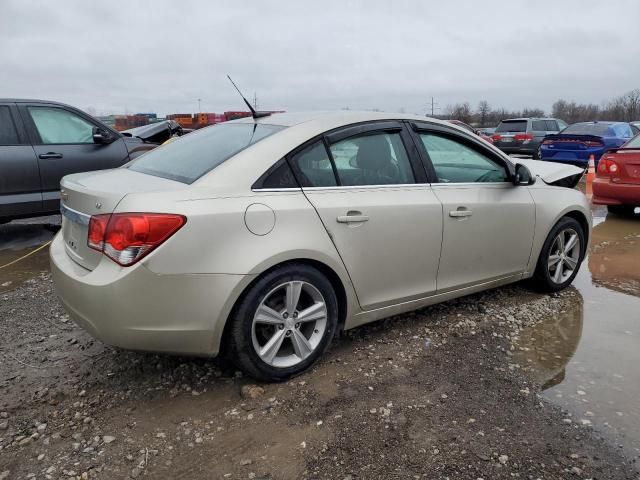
x=263 y=238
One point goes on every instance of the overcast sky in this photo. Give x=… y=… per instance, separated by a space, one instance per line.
x=161 y=56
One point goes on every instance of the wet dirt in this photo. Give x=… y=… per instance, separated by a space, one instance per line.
x=18 y=239
x=586 y=357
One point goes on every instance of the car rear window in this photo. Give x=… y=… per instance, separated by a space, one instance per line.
x=195 y=154
x=587 y=129
x=512 y=126
x=633 y=143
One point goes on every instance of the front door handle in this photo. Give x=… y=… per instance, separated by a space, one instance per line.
x=44 y=156
x=352 y=217
x=461 y=212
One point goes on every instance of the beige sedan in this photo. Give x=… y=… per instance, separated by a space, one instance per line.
x=263 y=238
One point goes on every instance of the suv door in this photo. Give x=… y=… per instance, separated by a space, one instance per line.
x=488 y=222
x=19 y=178
x=370 y=192
x=63 y=142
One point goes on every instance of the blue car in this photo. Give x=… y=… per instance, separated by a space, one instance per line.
x=576 y=143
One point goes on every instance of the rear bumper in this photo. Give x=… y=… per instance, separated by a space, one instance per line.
x=606 y=192
x=523 y=150
x=578 y=162
x=137 y=309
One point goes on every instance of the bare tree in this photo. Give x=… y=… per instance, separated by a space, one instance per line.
x=483 y=112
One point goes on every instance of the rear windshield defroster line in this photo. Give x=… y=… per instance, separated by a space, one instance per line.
x=195 y=154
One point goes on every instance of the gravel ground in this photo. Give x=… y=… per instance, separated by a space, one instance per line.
x=434 y=394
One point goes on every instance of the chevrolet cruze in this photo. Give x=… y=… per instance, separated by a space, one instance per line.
x=261 y=238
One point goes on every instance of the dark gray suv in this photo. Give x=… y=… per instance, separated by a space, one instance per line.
x=524 y=135
x=40 y=142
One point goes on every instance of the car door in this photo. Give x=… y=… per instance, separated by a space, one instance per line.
x=370 y=191
x=19 y=177
x=488 y=223
x=63 y=142
x=539 y=131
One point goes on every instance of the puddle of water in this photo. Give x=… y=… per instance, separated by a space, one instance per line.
x=17 y=240
x=587 y=358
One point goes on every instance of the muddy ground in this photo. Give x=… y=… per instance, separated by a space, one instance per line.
x=445 y=392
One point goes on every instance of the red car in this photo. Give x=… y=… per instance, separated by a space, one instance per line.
x=617 y=182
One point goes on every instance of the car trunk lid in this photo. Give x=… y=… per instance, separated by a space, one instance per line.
x=573 y=142
x=94 y=193
x=628 y=160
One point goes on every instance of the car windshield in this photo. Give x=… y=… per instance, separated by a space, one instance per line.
x=512 y=126
x=600 y=129
x=195 y=154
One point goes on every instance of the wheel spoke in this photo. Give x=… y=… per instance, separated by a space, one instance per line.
x=573 y=239
x=293 y=296
x=570 y=262
x=270 y=349
x=557 y=276
x=553 y=259
x=316 y=311
x=300 y=344
x=268 y=315
x=561 y=242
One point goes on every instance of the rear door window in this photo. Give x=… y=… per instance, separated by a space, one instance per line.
x=313 y=166
x=513 y=126
x=552 y=125
x=378 y=159
x=60 y=126
x=195 y=154
x=8 y=132
x=539 y=126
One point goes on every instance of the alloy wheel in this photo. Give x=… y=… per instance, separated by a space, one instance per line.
x=564 y=256
x=289 y=324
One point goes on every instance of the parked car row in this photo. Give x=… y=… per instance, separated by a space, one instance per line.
x=41 y=142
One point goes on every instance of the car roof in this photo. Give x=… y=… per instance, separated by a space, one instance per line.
x=522 y=119
x=339 y=118
x=33 y=100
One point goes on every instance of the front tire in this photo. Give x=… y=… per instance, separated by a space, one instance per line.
x=283 y=323
x=560 y=257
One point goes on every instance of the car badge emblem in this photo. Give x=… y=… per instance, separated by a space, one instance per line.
x=98 y=205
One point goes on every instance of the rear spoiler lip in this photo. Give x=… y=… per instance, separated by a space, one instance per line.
x=625 y=149
x=571 y=136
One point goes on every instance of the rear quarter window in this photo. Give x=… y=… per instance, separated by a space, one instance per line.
x=190 y=157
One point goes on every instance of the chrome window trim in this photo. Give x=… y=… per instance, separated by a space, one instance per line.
x=74 y=215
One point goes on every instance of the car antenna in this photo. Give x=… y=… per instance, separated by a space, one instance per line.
x=254 y=114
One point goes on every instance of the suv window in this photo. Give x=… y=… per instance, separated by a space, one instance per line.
x=455 y=162
x=57 y=125
x=314 y=166
x=552 y=126
x=372 y=159
x=539 y=126
x=8 y=132
x=512 y=126
x=193 y=155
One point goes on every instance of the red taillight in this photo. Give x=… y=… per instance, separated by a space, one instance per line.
x=547 y=142
x=523 y=137
x=97 y=229
x=128 y=237
x=590 y=143
x=496 y=137
x=607 y=166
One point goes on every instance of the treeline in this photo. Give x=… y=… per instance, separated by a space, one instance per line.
x=625 y=108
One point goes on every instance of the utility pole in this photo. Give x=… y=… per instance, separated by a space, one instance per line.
x=255 y=101
x=199 y=108
x=434 y=107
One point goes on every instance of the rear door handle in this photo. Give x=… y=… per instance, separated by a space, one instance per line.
x=461 y=212
x=44 y=156
x=352 y=217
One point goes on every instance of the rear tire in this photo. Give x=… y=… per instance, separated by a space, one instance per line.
x=560 y=257
x=536 y=155
x=271 y=337
x=623 y=210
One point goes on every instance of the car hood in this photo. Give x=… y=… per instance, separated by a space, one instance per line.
x=154 y=133
x=553 y=173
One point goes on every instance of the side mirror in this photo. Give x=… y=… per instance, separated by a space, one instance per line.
x=523 y=176
x=101 y=137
